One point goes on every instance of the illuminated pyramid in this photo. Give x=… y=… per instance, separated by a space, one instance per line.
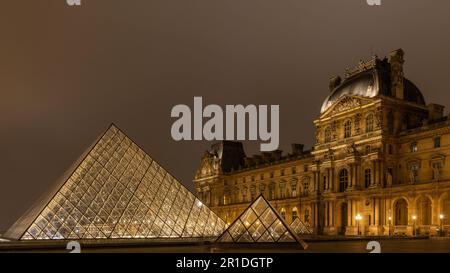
x=116 y=190
x=300 y=228
x=259 y=223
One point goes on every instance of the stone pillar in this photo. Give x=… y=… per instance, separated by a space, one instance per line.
x=331 y=179
x=316 y=181
x=350 y=180
x=328 y=179
x=377 y=182
x=350 y=213
x=376 y=213
x=332 y=208
x=373 y=173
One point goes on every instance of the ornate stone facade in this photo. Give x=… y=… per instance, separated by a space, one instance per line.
x=380 y=154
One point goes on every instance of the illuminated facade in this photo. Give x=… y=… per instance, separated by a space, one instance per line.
x=378 y=167
x=116 y=190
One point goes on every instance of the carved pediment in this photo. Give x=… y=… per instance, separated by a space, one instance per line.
x=209 y=166
x=346 y=103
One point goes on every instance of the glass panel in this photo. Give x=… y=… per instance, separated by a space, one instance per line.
x=146 y=203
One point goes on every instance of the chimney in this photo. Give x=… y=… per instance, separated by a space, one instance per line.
x=435 y=111
x=297 y=149
x=276 y=155
x=257 y=159
x=249 y=162
x=335 y=81
x=396 y=61
x=267 y=156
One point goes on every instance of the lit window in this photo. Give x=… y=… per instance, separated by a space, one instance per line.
x=413 y=147
x=283 y=214
x=282 y=190
x=347 y=129
x=415 y=172
x=343 y=180
x=369 y=123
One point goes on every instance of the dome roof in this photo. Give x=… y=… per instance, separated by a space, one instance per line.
x=371 y=83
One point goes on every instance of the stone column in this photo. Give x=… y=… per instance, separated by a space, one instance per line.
x=381 y=178
x=350 y=180
x=331 y=179
x=376 y=212
x=327 y=184
x=377 y=173
x=373 y=173
x=316 y=181
x=332 y=208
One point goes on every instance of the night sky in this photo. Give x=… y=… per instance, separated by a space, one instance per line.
x=67 y=72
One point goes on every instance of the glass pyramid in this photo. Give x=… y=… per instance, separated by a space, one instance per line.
x=259 y=223
x=301 y=228
x=119 y=191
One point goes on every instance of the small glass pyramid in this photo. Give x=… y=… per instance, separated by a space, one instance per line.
x=301 y=228
x=118 y=191
x=259 y=223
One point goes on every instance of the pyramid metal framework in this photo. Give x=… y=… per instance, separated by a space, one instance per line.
x=259 y=223
x=116 y=190
x=301 y=228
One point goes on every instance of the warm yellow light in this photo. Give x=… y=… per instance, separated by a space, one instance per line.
x=441 y=216
x=414 y=217
x=390 y=218
x=358 y=217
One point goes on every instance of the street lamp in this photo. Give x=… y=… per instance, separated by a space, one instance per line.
x=358 y=218
x=441 y=218
x=414 y=217
x=390 y=220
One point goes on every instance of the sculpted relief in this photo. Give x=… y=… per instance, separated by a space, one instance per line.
x=346 y=103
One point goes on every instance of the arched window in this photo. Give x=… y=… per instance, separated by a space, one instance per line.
x=294 y=214
x=343 y=180
x=347 y=129
x=328 y=136
x=424 y=211
x=401 y=212
x=367 y=177
x=369 y=123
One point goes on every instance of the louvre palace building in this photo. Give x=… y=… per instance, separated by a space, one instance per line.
x=378 y=166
